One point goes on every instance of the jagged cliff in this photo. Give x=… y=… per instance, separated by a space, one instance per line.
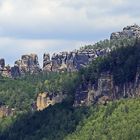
x=27 y=65
x=64 y=61
x=44 y=100
x=106 y=90
x=71 y=61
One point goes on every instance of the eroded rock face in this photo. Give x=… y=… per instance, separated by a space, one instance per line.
x=105 y=85
x=71 y=61
x=47 y=63
x=28 y=64
x=44 y=100
x=101 y=92
x=106 y=90
x=5 y=71
x=64 y=61
x=129 y=32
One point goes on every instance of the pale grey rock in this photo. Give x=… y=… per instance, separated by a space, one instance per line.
x=128 y=32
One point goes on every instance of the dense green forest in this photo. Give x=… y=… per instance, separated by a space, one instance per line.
x=21 y=93
x=53 y=123
x=118 y=120
x=62 y=121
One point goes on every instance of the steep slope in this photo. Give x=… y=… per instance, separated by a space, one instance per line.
x=112 y=74
x=118 y=120
x=54 y=123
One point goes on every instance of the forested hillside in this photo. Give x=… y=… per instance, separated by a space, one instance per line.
x=21 y=93
x=117 y=119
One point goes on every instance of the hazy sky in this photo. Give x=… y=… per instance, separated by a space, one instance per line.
x=38 y=26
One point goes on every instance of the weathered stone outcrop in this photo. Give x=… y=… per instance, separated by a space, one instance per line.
x=129 y=32
x=4 y=70
x=106 y=90
x=64 y=61
x=47 y=64
x=89 y=93
x=71 y=61
x=44 y=100
x=27 y=64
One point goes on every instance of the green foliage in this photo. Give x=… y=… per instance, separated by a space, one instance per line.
x=117 y=121
x=16 y=93
x=122 y=62
x=54 y=123
x=116 y=43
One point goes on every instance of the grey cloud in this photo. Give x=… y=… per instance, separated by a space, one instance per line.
x=62 y=19
x=31 y=24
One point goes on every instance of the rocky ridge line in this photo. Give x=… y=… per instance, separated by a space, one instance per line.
x=64 y=61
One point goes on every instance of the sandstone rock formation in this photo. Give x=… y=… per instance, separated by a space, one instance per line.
x=129 y=32
x=44 y=100
x=71 y=61
x=47 y=64
x=28 y=64
x=64 y=61
x=106 y=90
x=4 y=70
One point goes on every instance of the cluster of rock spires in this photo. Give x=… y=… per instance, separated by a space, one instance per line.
x=64 y=61
x=27 y=64
x=71 y=61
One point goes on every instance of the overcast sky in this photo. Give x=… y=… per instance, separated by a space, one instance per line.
x=38 y=26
